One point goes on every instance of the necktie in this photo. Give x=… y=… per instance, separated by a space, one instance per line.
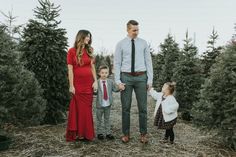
x=133 y=57
x=105 y=97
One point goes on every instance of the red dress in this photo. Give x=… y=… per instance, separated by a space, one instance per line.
x=80 y=118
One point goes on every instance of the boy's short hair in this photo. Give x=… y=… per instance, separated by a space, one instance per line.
x=103 y=67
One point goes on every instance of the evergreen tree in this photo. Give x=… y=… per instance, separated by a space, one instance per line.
x=216 y=107
x=21 y=97
x=234 y=35
x=100 y=60
x=164 y=62
x=108 y=63
x=97 y=62
x=212 y=52
x=44 y=52
x=187 y=75
x=158 y=63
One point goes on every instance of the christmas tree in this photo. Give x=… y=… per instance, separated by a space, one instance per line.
x=164 y=62
x=211 y=53
x=44 y=52
x=21 y=97
x=216 y=107
x=187 y=75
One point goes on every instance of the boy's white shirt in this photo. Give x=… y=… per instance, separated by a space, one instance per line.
x=169 y=105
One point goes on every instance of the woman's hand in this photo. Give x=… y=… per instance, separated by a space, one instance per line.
x=72 y=89
x=95 y=86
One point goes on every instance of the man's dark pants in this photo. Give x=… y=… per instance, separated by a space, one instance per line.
x=139 y=85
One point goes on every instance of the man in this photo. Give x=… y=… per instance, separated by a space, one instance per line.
x=133 y=69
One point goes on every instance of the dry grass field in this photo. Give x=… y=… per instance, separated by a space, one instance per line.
x=49 y=141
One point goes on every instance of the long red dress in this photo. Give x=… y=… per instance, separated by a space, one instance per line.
x=80 y=118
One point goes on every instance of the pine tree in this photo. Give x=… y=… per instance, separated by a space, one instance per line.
x=187 y=75
x=97 y=62
x=100 y=60
x=14 y=31
x=234 y=35
x=216 y=107
x=108 y=63
x=44 y=52
x=212 y=52
x=21 y=97
x=164 y=62
x=158 y=63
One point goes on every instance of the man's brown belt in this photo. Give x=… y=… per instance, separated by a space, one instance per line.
x=135 y=73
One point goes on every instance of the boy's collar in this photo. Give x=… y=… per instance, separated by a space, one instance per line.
x=102 y=79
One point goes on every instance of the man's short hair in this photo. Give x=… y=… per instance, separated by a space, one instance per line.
x=132 y=22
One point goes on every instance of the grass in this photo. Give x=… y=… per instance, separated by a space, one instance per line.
x=49 y=141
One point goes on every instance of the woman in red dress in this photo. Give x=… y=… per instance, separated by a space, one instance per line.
x=83 y=81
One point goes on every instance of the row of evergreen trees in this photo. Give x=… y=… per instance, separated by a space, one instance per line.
x=206 y=84
x=181 y=66
x=216 y=106
x=21 y=95
x=33 y=70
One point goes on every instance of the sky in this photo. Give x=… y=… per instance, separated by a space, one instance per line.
x=106 y=19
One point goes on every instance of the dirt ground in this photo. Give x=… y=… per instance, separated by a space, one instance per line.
x=49 y=141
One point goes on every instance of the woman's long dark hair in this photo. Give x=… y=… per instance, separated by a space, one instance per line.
x=79 y=44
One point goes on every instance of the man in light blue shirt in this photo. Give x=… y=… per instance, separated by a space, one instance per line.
x=133 y=71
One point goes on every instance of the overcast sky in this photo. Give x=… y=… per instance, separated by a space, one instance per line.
x=106 y=19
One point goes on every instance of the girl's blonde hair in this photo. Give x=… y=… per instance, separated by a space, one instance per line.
x=171 y=86
x=79 y=44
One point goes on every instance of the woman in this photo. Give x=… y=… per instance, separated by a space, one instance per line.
x=83 y=81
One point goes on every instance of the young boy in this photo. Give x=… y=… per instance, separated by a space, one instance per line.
x=166 y=110
x=103 y=103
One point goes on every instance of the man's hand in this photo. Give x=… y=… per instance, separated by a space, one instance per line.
x=121 y=86
x=149 y=86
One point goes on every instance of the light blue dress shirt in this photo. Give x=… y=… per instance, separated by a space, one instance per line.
x=122 y=58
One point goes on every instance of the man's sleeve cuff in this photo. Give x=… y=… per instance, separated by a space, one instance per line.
x=149 y=82
x=118 y=82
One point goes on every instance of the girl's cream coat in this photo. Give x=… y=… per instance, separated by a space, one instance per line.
x=169 y=105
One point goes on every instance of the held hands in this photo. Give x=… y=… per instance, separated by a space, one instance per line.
x=95 y=86
x=149 y=86
x=121 y=86
x=72 y=89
